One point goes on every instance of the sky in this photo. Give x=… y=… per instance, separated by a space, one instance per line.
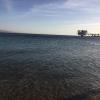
x=50 y=16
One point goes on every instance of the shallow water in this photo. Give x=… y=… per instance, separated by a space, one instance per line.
x=40 y=67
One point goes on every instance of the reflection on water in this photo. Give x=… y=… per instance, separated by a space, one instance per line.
x=49 y=68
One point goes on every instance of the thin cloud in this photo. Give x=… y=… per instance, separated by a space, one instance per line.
x=53 y=7
x=8 y=5
x=83 y=5
x=49 y=9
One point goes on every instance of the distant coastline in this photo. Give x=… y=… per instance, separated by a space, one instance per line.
x=33 y=34
x=7 y=33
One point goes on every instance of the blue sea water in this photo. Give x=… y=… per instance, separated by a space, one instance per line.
x=67 y=64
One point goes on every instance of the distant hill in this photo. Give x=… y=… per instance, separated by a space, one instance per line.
x=5 y=31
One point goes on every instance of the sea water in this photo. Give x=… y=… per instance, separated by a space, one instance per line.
x=44 y=67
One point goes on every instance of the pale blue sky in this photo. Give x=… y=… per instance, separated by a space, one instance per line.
x=50 y=16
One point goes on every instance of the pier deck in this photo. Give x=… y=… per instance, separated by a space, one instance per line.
x=93 y=35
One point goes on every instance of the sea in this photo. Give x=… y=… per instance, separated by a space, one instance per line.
x=49 y=67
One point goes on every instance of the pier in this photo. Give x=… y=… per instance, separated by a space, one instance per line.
x=93 y=35
x=83 y=33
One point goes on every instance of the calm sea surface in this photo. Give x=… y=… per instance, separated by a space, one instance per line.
x=48 y=67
